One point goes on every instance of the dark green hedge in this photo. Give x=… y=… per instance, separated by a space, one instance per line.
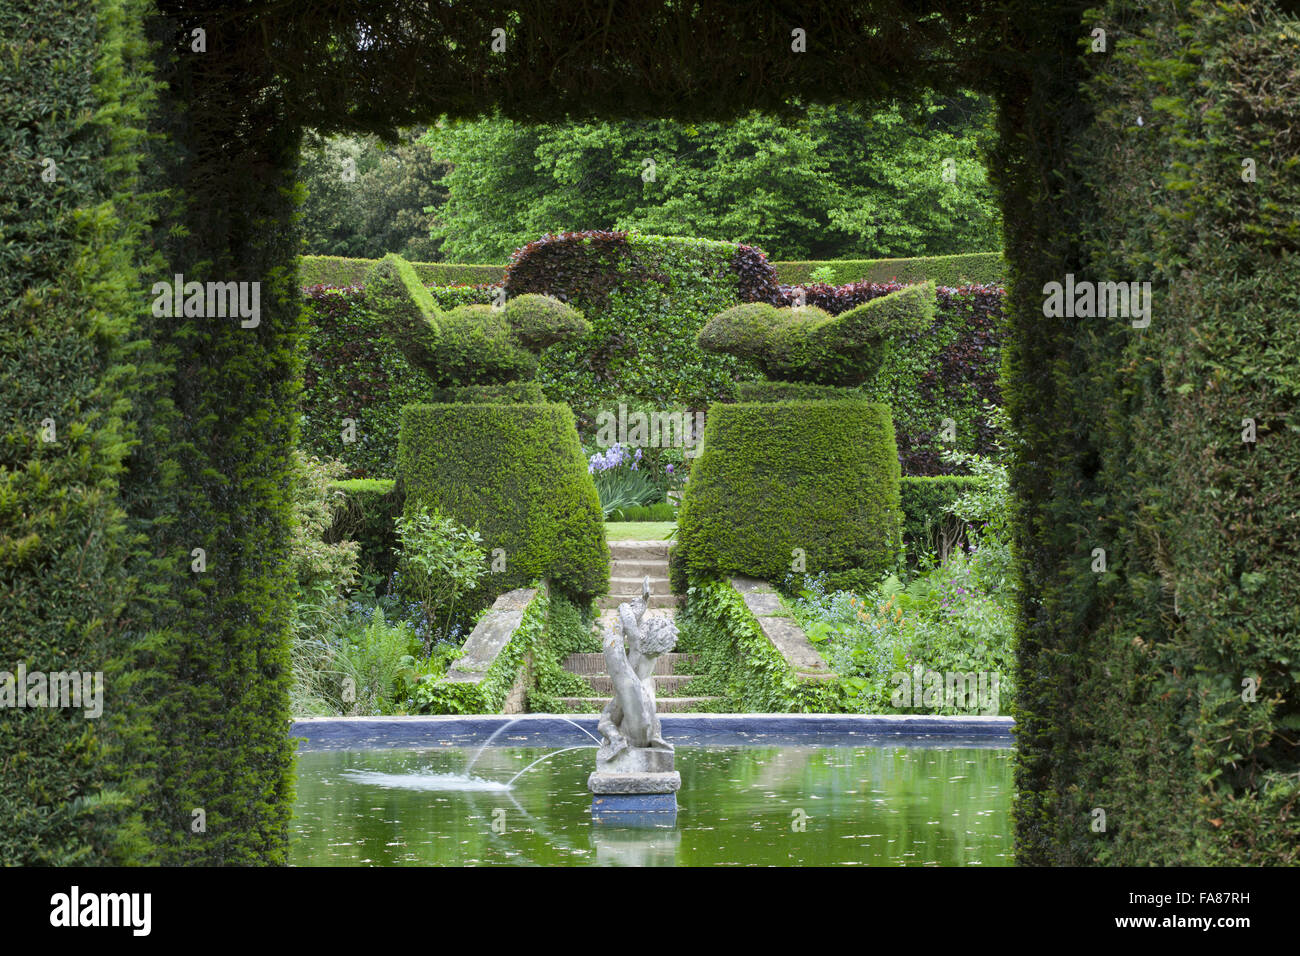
x=366 y=515
x=73 y=89
x=1132 y=697
x=516 y=473
x=819 y=475
x=341 y=271
x=353 y=369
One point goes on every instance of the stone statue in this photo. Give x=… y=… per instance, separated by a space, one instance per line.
x=630 y=718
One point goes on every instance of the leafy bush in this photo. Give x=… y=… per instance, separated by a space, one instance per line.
x=958 y=617
x=947 y=371
x=339 y=271
x=807 y=484
x=439 y=562
x=364 y=512
x=328 y=568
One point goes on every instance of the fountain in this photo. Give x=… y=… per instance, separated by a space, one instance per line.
x=634 y=766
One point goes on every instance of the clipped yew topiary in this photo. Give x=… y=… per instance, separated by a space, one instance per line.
x=470 y=344
x=791 y=486
x=807 y=344
x=517 y=475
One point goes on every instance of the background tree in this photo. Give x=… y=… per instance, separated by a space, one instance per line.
x=797 y=187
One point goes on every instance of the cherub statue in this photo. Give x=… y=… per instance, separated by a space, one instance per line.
x=630 y=718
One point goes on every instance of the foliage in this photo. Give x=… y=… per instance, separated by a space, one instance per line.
x=364 y=513
x=365 y=198
x=619 y=481
x=795 y=185
x=948 y=371
x=438 y=562
x=568 y=631
x=319 y=565
x=340 y=271
x=957 y=618
x=664 y=511
x=811 y=484
x=470 y=344
x=75 y=91
x=930 y=528
x=515 y=474
x=738 y=663
x=1136 y=441
x=645 y=298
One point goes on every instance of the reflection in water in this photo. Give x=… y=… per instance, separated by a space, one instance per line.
x=865 y=806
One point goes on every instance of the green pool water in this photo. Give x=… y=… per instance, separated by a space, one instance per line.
x=741 y=806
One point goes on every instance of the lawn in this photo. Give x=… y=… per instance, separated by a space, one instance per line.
x=638 y=530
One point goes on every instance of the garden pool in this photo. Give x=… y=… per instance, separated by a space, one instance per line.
x=747 y=799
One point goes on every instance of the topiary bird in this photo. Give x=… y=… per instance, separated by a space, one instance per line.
x=808 y=344
x=470 y=344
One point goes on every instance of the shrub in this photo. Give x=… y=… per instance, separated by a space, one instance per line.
x=439 y=563
x=471 y=344
x=514 y=473
x=341 y=271
x=929 y=526
x=327 y=567
x=354 y=370
x=663 y=511
x=817 y=478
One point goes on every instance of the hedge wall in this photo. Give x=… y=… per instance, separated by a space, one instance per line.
x=74 y=87
x=354 y=369
x=821 y=476
x=516 y=473
x=341 y=271
x=950 y=370
x=975 y=268
x=1164 y=690
x=366 y=514
x=645 y=298
x=923 y=501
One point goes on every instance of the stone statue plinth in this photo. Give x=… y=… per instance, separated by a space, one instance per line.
x=634 y=766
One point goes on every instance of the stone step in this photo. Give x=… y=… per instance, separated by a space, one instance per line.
x=638 y=568
x=656 y=600
x=667 y=705
x=639 y=550
x=665 y=684
x=632 y=586
x=586 y=664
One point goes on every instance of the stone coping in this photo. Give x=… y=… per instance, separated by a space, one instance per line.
x=544 y=730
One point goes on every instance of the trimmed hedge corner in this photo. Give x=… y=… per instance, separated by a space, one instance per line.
x=516 y=473
x=791 y=486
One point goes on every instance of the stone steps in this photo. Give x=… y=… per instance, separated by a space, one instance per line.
x=585 y=665
x=612 y=601
x=637 y=568
x=666 y=705
x=632 y=585
x=666 y=685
